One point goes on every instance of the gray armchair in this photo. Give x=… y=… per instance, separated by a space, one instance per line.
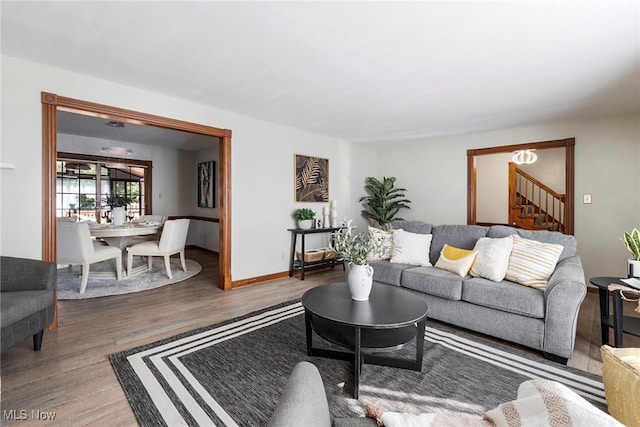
x=27 y=300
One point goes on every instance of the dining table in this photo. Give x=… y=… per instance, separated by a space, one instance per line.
x=121 y=235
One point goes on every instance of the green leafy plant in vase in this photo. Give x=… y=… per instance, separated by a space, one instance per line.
x=305 y=217
x=632 y=243
x=357 y=249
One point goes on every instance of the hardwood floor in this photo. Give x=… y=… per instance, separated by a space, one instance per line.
x=72 y=376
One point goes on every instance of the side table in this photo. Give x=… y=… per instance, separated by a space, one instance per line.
x=617 y=321
x=301 y=265
x=621 y=323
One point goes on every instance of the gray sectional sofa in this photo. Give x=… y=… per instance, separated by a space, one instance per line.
x=542 y=320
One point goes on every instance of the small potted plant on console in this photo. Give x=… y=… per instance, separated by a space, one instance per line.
x=305 y=217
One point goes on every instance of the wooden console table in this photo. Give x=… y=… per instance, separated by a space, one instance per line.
x=301 y=265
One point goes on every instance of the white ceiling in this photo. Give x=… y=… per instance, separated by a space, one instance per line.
x=371 y=72
x=97 y=127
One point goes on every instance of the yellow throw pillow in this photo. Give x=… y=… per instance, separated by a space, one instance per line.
x=621 y=378
x=456 y=260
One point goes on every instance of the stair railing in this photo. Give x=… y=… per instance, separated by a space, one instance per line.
x=529 y=197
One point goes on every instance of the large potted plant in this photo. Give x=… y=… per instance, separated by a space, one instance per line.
x=384 y=200
x=356 y=249
x=305 y=217
x=632 y=242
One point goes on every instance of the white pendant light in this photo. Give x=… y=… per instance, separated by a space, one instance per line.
x=117 y=151
x=524 y=157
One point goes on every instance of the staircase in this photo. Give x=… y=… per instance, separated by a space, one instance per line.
x=533 y=205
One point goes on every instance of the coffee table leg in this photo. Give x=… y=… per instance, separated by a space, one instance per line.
x=420 y=344
x=357 y=364
x=309 y=331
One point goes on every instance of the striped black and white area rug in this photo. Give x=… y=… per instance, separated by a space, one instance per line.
x=232 y=374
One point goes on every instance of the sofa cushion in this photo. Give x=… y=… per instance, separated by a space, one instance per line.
x=386 y=272
x=456 y=260
x=460 y=236
x=433 y=281
x=531 y=262
x=411 y=248
x=15 y=306
x=506 y=296
x=492 y=260
x=419 y=227
x=569 y=242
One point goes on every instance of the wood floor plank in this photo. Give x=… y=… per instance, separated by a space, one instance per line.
x=72 y=375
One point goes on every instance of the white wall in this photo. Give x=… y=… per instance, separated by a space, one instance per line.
x=203 y=233
x=492 y=188
x=433 y=171
x=607 y=156
x=261 y=152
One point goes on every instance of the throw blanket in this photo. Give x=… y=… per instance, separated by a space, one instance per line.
x=539 y=403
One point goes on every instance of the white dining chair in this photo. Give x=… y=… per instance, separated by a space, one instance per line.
x=75 y=246
x=172 y=241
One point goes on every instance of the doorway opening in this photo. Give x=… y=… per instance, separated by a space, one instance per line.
x=568 y=144
x=53 y=103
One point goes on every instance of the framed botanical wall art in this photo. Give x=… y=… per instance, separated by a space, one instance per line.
x=207 y=184
x=312 y=179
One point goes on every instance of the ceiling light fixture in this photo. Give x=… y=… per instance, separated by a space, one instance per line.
x=115 y=124
x=117 y=151
x=524 y=157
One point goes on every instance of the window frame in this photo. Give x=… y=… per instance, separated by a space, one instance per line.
x=147 y=165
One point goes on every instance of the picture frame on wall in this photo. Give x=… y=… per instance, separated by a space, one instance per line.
x=207 y=184
x=311 y=178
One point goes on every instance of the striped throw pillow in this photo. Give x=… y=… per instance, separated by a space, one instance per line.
x=531 y=262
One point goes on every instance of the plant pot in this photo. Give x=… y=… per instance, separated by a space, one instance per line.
x=633 y=268
x=305 y=224
x=118 y=216
x=360 y=280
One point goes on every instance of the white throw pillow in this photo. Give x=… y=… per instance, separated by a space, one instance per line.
x=492 y=260
x=531 y=262
x=411 y=248
x=386 y=237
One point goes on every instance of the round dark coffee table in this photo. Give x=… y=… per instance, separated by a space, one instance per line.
x=392 y=318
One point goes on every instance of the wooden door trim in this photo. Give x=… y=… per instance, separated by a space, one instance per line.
x=52 y=102
x=567 y=143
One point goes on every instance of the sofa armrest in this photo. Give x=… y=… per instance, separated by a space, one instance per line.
x=22 y=274
x=565 y=292
x=303 y=401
